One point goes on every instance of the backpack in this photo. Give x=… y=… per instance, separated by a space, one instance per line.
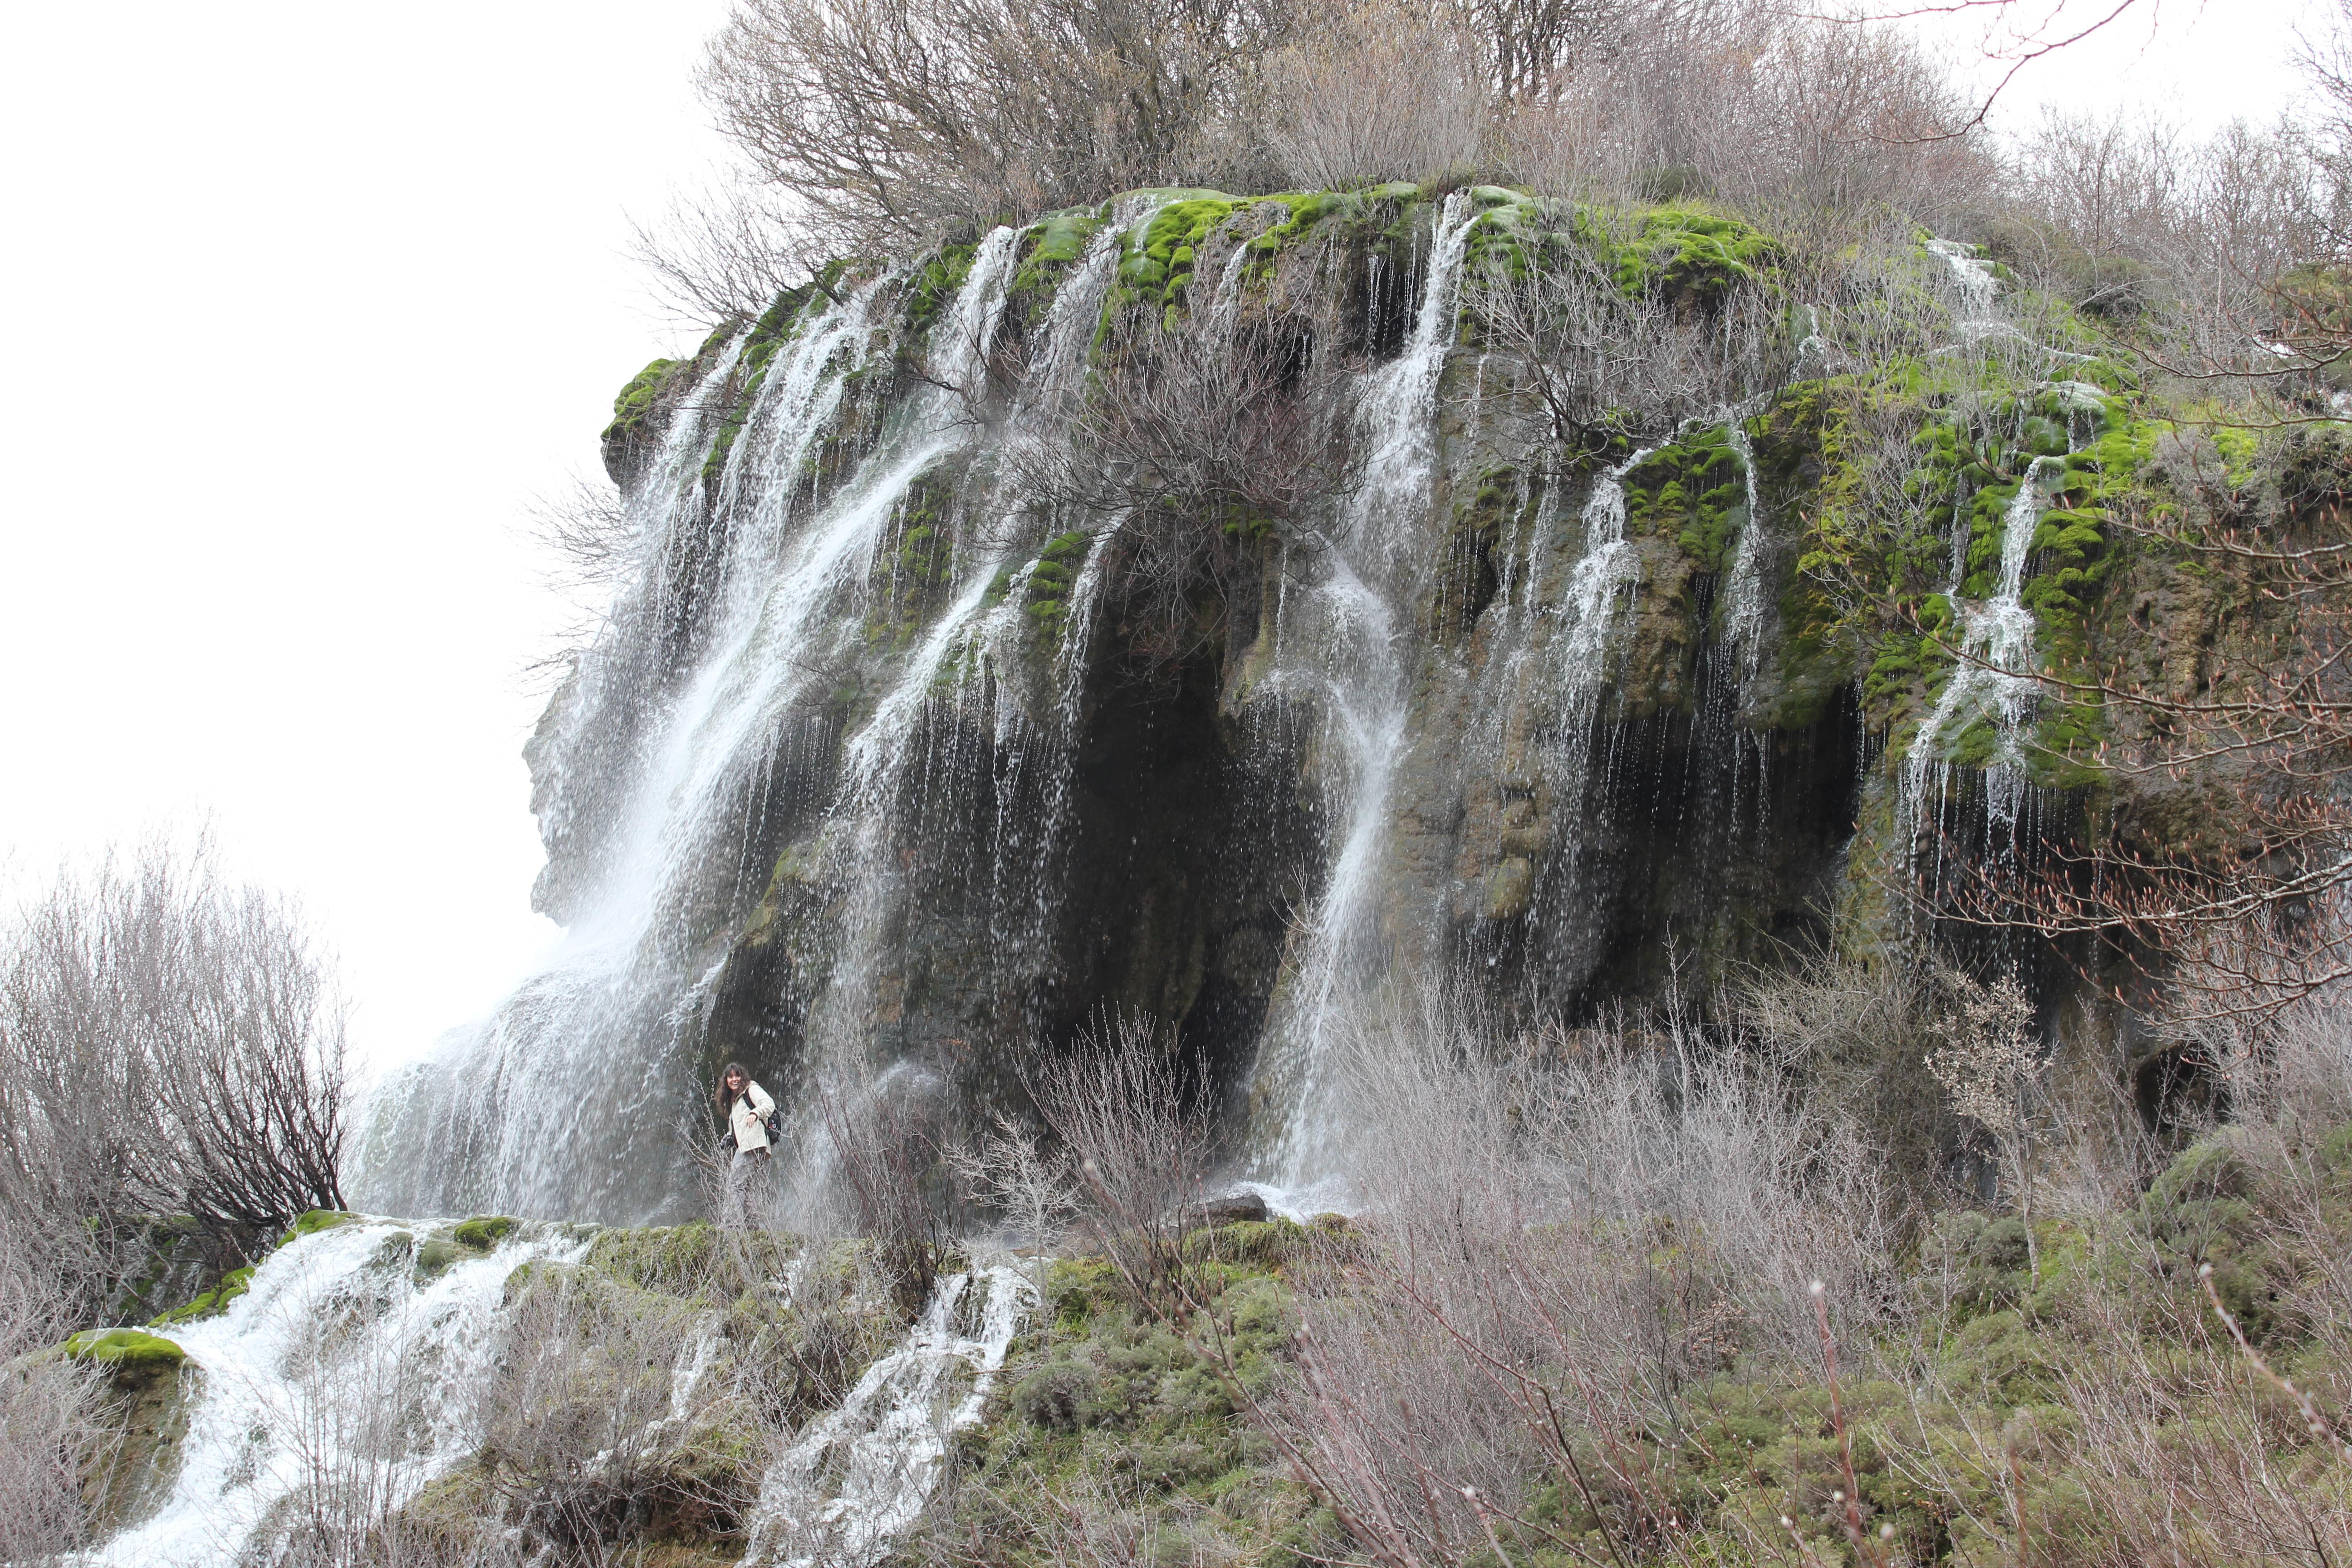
x=774 y=1122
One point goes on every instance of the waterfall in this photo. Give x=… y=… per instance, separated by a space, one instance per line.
x=1608 y=565
x=569 y=1101
x=1994 y=680
x=342 y=1383
x=860 y=1475
x=1340 y=651
x=337 y=1381
x=1743 y=589
x=878 y=695
x=1974 y=316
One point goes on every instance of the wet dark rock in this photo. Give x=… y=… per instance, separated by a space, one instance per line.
x=1236 y=1208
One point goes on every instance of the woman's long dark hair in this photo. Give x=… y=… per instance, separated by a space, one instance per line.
x=726 y=1096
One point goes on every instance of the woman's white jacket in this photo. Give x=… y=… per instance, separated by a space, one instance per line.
x=749 y=1117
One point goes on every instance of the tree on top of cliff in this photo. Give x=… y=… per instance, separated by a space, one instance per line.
x=869 y=126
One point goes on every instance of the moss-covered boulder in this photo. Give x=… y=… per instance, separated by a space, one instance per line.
x=484 y=1232
x=146 y=1388
x=312 y=1223
x=125 y=1350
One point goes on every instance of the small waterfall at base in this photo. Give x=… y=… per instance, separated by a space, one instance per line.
x=349 y=1377
x=859 y=1476
x=336 y=1375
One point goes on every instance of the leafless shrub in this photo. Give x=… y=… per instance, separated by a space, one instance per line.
x=253 y=1082
x=348 y=1442
x=586 y=530
x=49 y=1407
x=2121 y=215
x=1608 y=365
x=723 y=253
x=2152 y=1438
x=1566 y=1240
x=1034 y=1187
x=2288 y=1068
x=168 y=1044
x=1118 y=1099
x=1386 y=93
x=1086 y=1520
x=885 y=1154
x=1857 y=1034
x=1198 y=436
x=598 y=1421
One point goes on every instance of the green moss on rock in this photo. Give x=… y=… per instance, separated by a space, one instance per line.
x=125 y=1350
x=484 y=1232
x=314 y=1222
x=212 y=1303
x=1692 y=252
x=636 y=400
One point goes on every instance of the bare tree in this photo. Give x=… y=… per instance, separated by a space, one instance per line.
x=586 y=528
x=169 y=1043
x=251 y=1067
x=1120 y=1100
x=896 y=122
x=723 y=252
x=1397 y=94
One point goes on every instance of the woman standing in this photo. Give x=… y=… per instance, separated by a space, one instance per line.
x=746 y=1107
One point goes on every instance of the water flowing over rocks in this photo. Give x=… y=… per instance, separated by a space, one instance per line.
x=348 y=1386
x=895 y=758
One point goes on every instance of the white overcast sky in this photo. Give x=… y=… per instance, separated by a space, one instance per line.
x=303 y=303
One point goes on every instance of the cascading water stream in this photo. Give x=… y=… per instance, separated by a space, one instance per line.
x=335 y=1377
x=1973 y=282
x=1743 y=588
x=1994 y=681
x=1340 y=649
x=1609 y=563
x=859 y=1476
x=339 y=1386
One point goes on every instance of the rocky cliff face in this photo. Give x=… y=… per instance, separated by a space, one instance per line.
x=954 y=698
